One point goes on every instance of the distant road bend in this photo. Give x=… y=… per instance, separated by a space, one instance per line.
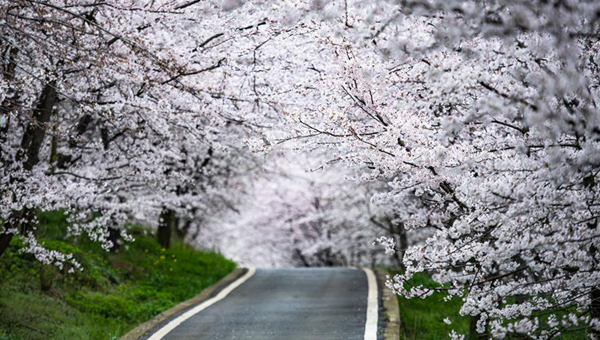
x=277 y=304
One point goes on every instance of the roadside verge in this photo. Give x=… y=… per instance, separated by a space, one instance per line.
x=390 y=308
x=141 y=330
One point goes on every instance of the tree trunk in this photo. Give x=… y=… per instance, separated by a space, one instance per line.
x=29 y=152
x=36 y=130
x=5 y=239
x=27 y=221
x=113 y=237
x=402 y=244
x=166 y=223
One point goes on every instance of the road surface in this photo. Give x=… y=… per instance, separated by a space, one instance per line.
x=277 y=304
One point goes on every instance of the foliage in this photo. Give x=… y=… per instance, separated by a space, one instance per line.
x=484 y=115
x=112 y=294
x=434 y=316
x=110 y=118
x=424 y=318
x=313 y=217
x=481 y=118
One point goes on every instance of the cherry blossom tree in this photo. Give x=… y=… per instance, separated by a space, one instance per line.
x=116 y=108
x=484 y=114
x=299 y=211
x=479 y=117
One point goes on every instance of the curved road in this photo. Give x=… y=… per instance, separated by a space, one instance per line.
x=297 y=304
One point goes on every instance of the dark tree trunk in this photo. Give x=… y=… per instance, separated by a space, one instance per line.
x=22 y=218
x=5 y=239
x=166 y=223
x=27 y=221
x=36 y=130
x=29 y=153
x=63 y=161
x=402 y=244
x=113 y=237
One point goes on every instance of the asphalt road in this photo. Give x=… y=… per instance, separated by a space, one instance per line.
x=296 y=304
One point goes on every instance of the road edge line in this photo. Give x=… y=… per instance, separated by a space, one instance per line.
x=141 y=330
x=372 y=306
x=166 y=329
x=390 y=308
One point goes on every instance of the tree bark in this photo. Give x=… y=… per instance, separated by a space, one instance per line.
x=402 y=244
x=113 y=237
x=166 y=223
x=36 y=130
x=5 y=239
x=31 y=143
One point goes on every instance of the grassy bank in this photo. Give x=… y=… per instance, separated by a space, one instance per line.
x=113 y=293
x=423 y=319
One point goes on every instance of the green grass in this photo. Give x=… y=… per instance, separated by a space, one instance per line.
x=114 y=292
x=423 y=319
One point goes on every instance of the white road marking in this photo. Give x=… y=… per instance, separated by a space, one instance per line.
x=372 y=306
x=222 y=294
